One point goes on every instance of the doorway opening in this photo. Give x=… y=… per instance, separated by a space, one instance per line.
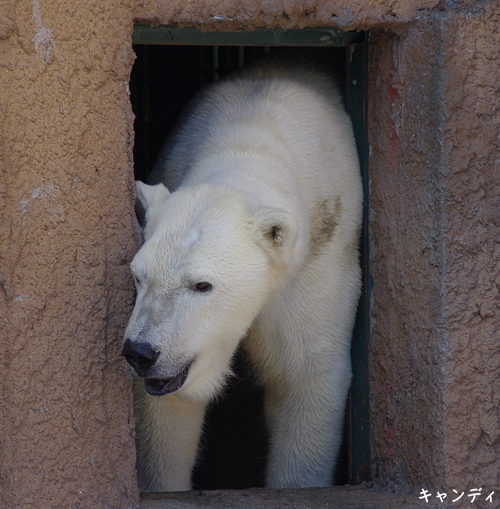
x=172 y=65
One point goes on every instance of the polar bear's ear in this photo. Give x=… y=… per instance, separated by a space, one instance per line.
x=276 y=232
x=148 y=197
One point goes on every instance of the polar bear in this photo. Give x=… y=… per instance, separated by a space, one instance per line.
x=252 y=221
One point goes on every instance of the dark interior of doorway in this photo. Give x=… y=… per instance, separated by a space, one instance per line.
x=164 y=79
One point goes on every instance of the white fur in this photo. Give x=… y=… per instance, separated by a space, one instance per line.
x=266 y=206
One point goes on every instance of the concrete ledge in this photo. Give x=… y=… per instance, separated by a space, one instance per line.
x=345 y=497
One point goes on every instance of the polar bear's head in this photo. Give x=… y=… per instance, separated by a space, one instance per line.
x=206 y=269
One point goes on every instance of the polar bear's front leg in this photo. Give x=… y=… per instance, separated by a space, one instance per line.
x=167 y=434
x=305 y=418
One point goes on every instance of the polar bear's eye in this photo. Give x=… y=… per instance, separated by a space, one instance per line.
x=202 y=287
x=137 y=281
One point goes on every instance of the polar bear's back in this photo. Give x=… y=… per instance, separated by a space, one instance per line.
x=294 y=117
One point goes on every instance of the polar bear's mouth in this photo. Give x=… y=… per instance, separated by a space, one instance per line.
x=159 y=387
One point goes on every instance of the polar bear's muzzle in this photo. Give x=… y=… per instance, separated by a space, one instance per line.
x=142 y=357
x=157 y=387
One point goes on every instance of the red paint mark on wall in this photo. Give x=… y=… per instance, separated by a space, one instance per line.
x=393 y=90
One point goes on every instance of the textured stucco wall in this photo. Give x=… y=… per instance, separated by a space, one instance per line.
x=237 y=14
x=405 y=224
x=435 y=187
x=471 y=244
x=67 y=233
x=66 y=236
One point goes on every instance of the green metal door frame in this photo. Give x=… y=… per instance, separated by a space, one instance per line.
x=355 y=93
x=318 y=37
x=358 y=430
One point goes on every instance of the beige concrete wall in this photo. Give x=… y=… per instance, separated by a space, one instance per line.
x=435 y=186
x=67 y=233
x=66 y=236
x=406 y=381
x=471 y=266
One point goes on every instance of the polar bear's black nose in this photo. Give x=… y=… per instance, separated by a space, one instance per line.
x=141 y=356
